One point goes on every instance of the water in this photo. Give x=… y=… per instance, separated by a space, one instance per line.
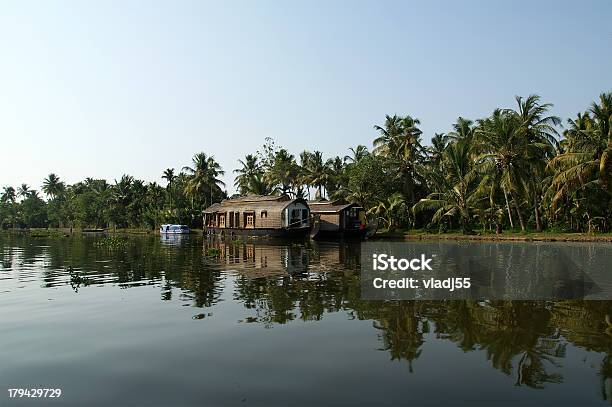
x=186 y=321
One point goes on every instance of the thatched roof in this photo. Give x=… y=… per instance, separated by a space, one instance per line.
x=329 y=206
x=258 y=198
x=252 y=203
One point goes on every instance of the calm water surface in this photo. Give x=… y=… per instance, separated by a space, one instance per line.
x=154 y=321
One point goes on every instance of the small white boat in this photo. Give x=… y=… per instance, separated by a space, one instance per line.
x=174 y=230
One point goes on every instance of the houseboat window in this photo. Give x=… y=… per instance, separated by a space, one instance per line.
x=264 y=214
x=222 y=221
x=250 y=220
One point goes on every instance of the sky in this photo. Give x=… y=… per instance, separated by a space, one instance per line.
x=100 y=89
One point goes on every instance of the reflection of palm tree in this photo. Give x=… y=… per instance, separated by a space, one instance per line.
x=402 y=331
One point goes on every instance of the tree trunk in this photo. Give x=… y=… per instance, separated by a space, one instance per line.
x=518 y=211
x=536 y=212
x=508 y=207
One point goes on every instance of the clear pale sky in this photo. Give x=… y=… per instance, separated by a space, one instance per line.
x=105 y=88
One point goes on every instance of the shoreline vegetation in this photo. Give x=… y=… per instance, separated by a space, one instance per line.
x=384 y=234
x=517 y=169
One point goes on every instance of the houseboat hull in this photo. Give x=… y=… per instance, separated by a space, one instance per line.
x=359 y=234
x=272 y=232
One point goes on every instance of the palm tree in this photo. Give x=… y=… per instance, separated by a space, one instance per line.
x=316 y=173
x=586 y=165
x=8 y=195
x=250 y=168
x=539 y=129
x=357 y=154
x=23 y=191
x=283 y=172
x=52 y=186
x=169 y=176
x=257 y=185
x=457 y=196
x=400 y=143
x=463 y=129
x=203 y=177
x=504 y=156
x=389 y=210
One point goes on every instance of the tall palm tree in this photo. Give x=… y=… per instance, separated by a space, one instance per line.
x=539 y=128
x=284 y=171
x=463 y=129
x=52 y=186
x=203 y=177
x=250 y=168
x=23 y=191
x=400 y=143
x=587 y=161
x=169 y=176
x=457 y=197
x=257 y=185
x=316 y=173
x=389 y=210
x=357 y=154
x=8 y=195
x=503 y=150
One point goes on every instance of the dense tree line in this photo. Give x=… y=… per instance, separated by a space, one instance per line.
x=517 y=169
x=128 y=202
x=514 y=169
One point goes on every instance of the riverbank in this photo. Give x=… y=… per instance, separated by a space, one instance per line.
x=65 y=232
x=529 y=236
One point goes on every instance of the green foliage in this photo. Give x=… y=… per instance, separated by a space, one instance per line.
x=507 y=170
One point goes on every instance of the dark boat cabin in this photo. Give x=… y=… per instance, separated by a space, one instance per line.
x=337 y=217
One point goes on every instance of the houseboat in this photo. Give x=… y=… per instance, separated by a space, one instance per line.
x=174 y=230
x=337 y=218
x=258 y=215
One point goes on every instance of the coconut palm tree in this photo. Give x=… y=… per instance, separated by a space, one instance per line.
x=203 y=177
x=169 y=176
x=463 y=129
x=316 y=173
x=400 y=143
x=457 y=196
x=250 y=168
x=586 y=166
x=284 y=172
x=357 y=154
x=8 y=195
x=540 y=129
x=23 y=191
x=257 y=185
x=503 y=149
x=52 y=186
x=389 y=210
